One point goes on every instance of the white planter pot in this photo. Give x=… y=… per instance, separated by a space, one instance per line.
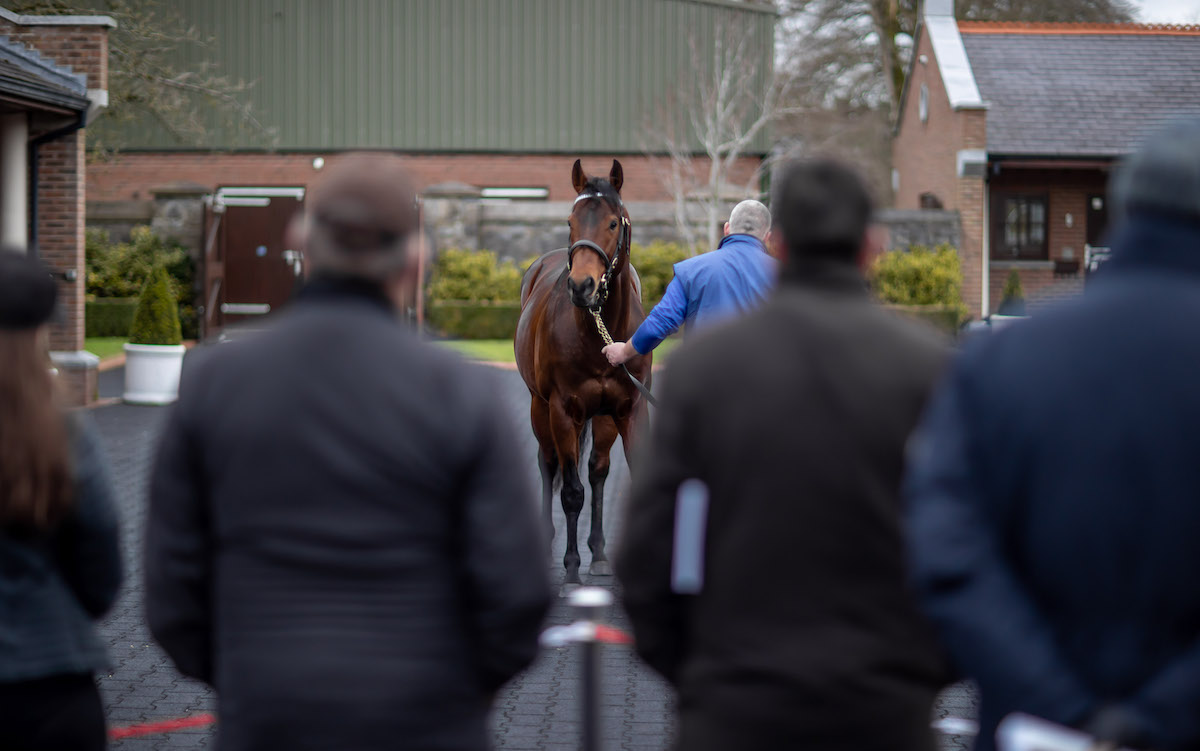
x=152 y=372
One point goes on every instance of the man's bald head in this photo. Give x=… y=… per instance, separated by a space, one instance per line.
x=750 y=218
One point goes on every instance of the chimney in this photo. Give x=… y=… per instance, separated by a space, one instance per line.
x=939 y=8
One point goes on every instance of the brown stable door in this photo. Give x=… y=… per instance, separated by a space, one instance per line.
x=261 y=271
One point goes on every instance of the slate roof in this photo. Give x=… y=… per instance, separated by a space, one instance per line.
x=1090 y=91
x=26 y=75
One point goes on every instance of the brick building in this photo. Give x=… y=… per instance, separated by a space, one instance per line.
x=492 y=100
x=53 y=77
x=1016 y=126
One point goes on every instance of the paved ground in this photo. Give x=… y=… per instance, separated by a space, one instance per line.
x=539 y=710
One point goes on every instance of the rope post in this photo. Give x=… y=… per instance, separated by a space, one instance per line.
x=590 y=602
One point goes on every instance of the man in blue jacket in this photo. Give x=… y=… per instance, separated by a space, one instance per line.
x=1054 y=489
x=710 y=287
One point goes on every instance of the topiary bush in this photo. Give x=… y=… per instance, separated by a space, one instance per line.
x=156 y=320
x=920 y=276
x=1012 y=301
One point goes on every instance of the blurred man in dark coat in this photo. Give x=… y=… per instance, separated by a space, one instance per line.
x=1055 y=485
x=341 y=540
x=797 y=631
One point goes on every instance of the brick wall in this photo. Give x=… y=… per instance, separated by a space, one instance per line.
x=83 y=49
x=972 y=134
x=60 y=231
x=925 y=157
x=924 y=153
x=60 y=188
x=131 y=176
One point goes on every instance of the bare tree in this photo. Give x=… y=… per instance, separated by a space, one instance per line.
x=853 y=56
x=723 y=104
x=146 y=85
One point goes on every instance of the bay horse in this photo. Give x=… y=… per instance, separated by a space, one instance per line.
x=558 y=349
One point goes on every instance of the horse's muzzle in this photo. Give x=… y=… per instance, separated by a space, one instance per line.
x=584 y=294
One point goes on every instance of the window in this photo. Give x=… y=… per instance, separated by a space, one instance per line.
x=1019 y=228
x=923 y=104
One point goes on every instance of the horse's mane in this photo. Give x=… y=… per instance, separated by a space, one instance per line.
x=604 y=188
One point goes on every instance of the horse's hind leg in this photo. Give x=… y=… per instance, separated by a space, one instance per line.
x=566 y=441
x=547 y=459
x=604 y=433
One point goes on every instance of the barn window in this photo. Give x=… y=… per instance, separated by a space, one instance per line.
x=1019 y=229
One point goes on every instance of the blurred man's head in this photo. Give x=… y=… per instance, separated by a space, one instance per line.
x=1162 y=179
x=749 y=218
x=820 y=210
x=361 y=221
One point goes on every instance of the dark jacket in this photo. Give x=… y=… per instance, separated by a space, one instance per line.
x=54 y=585
x=1055 y=501
x=804 y=635
x=341 y=538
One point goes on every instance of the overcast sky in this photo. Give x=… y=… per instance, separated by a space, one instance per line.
x=1169 y=11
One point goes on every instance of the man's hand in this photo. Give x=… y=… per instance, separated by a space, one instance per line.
x=619 y=352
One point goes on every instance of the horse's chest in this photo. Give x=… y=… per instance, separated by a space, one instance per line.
x=602 y=396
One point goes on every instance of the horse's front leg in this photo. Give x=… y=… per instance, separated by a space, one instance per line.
x=547 y=458
x=566 y=441
x=604 y=434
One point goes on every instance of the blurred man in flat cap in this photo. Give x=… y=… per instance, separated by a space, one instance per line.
x=1054 y=488
x=340 y=541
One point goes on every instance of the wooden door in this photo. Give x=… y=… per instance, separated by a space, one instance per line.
x=260 y=272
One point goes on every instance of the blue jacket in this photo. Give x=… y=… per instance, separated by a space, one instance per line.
x=708 y=288
x=1054 y=501
x=52 y=586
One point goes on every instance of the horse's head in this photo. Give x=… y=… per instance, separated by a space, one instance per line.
x=599 y=236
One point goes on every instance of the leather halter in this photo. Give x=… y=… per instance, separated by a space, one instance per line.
x=609 y=263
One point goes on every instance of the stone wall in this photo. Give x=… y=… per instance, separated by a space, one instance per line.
x=456 y=217
x=928 y=227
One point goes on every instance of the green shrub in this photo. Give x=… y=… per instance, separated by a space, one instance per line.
x=655 y=266
x=109 y=316
x=121 y=269
x=156 y=320
x=473 y=320
x=1012 y=287
x=474 y=275
x=920 y=276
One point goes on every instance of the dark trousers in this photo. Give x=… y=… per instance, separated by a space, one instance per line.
x=62 y=713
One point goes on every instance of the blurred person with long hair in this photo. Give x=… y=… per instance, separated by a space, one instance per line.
x=60 y=563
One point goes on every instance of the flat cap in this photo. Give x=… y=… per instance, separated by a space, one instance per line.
x=362 y=211
x=27 y=291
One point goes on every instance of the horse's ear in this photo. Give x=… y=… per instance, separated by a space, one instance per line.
x=578 y=179
x=616 y=176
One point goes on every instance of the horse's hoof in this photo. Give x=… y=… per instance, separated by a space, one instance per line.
x=567 y=588
x=600 y=568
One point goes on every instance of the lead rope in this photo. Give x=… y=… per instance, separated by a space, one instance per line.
x=608 y=340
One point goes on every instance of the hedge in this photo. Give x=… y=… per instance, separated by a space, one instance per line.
x=119 y=270
x=474 y=294
x=923 y=277
x=464 y=319
x=109 y=316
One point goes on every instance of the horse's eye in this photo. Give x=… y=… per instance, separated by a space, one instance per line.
x=612 y=224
